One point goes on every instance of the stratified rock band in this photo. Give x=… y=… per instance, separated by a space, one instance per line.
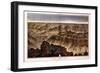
x=57 y=39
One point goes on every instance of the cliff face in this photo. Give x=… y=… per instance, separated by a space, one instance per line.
x=74 y=37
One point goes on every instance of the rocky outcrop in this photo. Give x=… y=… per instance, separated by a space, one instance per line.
x=50 y=50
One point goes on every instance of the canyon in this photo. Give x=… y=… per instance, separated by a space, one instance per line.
x=72 y=37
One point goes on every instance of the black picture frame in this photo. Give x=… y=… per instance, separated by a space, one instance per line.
x=14 y=35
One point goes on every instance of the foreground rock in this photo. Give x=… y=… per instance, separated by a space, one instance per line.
x=51 y=50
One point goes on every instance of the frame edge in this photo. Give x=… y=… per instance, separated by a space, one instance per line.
x=14 y=36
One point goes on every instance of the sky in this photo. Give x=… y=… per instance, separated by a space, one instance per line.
x=56 y=17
